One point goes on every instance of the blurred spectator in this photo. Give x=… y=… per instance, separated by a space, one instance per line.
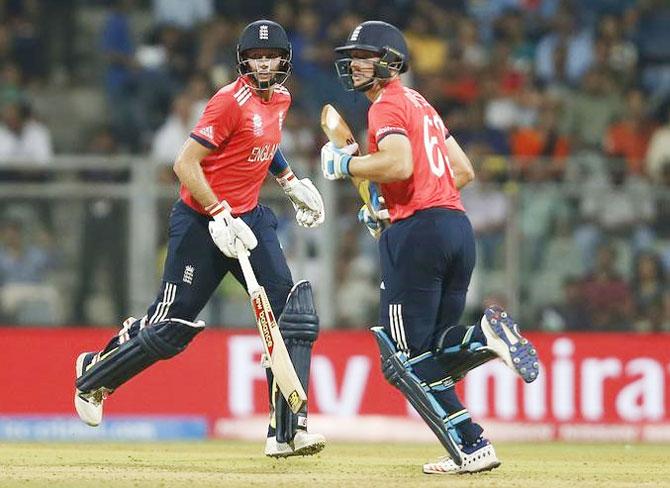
x=486 y=13
x=507 y=109
x=570 y=314
x=11 y=89
x=25 y=260
x=217 y=55
x=428 y=51
x=468 y=49
x=102 y=256
x=628 y=138
x=542 y=140
x=118 y=47
x=617 y=207
x=471 y=131
x=200 y=90
x=664 y=325
x=658 y=152
x=164 y=73
x=560 y=259
x=608 y=297
x=460 y=86
x=568 y=38
x=589 y=111
x=59 y=24
x=541 y=205
x=510 y=29
x=299 y=140
x=359 y=286
x=618 y=54
x=175 y=130
x=22 y=136
x=5 y=43
x=662 y=224
x=185 y=15
x=487 y=207
x=654 y=44
x=27 y=44
x=20 y=261
x=649 y=286
x=304 y=41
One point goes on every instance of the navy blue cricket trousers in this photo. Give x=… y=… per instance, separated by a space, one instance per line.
x=426 y=261
x=194 y=266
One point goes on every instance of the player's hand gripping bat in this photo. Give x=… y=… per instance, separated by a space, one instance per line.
x=339 y=133
x=273 y=342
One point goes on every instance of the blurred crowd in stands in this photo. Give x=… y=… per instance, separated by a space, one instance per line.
x=563 y=106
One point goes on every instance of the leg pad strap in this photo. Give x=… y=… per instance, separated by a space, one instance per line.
x=458 y=359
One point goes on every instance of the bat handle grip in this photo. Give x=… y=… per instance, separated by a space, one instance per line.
x=247 y=270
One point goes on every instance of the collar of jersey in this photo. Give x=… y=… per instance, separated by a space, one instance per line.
x=254 y=91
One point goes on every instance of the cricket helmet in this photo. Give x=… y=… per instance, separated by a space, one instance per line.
x=380 y=38
x=264 y=34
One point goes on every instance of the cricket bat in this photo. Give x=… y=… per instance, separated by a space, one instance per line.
x=273 y=343
x=338 y=132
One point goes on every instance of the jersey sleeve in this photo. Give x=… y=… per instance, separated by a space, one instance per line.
x=386 y=117
x=218 y=121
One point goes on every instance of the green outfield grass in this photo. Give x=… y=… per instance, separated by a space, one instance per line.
x=227 y=463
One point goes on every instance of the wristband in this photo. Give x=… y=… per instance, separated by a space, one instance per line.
x=285 y=179
x=216 y=208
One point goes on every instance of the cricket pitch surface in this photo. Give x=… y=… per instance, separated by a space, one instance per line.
x=363 y=465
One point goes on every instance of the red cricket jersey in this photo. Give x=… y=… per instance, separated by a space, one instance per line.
x=401 y=110
x=244 y=132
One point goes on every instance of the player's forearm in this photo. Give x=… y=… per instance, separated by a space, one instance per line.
x=190 y=175
x=462 y=177
x=381 y=167
x=460 y=164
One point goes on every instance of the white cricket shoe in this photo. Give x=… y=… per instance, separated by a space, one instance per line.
x=481 y=457
x=88 y=405
x=303 y=444
x=504 y=339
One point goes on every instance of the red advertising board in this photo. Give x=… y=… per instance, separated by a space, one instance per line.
x=587 y=381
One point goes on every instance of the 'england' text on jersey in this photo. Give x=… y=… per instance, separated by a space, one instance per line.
x=262 y=153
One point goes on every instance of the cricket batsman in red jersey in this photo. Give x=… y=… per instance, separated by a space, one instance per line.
x=427 y=254
x=221 y=167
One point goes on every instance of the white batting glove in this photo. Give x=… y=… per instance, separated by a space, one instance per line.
x=377 y=219
x=224 y=229
x=306 y=200
x=374 y=223
x=335 y=161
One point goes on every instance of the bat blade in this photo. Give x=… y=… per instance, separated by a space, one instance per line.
x=338 y=132
x=276 y=352
x=335 y=127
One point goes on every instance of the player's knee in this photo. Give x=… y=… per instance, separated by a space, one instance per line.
x=391 y=369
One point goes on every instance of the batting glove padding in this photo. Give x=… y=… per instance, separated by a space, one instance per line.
x=306 y=200
x=224 y=229
x=335 y=162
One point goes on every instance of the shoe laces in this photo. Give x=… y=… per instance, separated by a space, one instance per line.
x=478 y=444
